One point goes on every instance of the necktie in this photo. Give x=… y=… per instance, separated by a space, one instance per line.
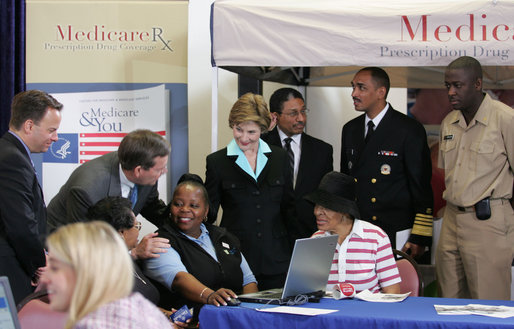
x=133 y=195
x=290 y=158
x=371 y=130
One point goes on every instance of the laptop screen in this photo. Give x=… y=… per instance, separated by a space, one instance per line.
x=8 y=313
x=308 y=272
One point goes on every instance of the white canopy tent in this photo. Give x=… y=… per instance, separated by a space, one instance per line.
x=324 y=42
x=415 y=40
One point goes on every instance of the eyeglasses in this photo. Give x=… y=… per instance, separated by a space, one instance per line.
x=138 y=225
x=295 y=113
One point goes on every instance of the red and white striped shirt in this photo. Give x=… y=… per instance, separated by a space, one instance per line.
x=364 y=259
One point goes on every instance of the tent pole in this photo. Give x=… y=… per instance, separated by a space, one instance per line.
x=214 y=110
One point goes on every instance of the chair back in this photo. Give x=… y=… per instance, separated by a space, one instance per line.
x=35 y=313
x=410 y=274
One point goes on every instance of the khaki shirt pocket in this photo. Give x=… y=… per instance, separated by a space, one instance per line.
x=448 y=150
x=480 y=156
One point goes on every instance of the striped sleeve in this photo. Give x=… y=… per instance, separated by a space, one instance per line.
x=386 y=268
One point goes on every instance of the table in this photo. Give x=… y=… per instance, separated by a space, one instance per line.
x=412 y=313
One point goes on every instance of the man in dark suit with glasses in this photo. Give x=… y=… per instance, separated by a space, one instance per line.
x=309 y=158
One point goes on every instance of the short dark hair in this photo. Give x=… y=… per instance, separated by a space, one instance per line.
x=469 y=64
x=31 y=105
x=140 y=148
x=379 y=76
x=115 y=210
x=280 y=96
x=195 y=181
x=190 y=177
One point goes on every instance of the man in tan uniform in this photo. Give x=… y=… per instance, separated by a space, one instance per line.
x=475 y=249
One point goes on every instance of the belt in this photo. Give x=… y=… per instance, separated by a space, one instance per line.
x=492 y=202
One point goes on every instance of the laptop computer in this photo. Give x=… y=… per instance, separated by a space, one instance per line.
x=8 y=312
x=307 y=275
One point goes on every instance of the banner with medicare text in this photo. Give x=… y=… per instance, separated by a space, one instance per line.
x=116 y=66
x=361 y=33
x=96 y=125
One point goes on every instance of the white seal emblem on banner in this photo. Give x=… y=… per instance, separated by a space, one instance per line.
x=60 y=148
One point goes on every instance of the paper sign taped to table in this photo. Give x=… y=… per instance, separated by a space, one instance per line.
x=368 y=296
x=296 y=310
x=495 y=311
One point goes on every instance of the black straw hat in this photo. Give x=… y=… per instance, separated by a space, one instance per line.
x=336 y=192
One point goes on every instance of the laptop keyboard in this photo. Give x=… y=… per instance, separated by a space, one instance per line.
x=275 y=295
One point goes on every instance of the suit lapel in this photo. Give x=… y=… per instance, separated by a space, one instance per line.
x=114 y=182
x=384 y=129
x=232 y=160
x=13 y=140
x=265 y=170
x=306 y=148
x=357 y=134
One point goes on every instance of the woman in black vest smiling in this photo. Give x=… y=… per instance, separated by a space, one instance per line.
x=204 y=264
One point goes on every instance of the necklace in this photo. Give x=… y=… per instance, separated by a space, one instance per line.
x=140 y=278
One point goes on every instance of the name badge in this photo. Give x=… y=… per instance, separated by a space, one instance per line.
x=448 y=137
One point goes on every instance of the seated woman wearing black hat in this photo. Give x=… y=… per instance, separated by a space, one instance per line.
x=204 y=264
x=363 y=255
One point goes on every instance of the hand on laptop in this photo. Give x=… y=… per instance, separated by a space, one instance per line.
x=220 y=297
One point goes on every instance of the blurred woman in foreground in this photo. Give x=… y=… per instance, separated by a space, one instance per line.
x=90 y=276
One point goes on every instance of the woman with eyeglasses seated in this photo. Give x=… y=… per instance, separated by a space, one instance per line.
x=90 y=276
x=204 y=264
x=117 y=212
x=363 y=255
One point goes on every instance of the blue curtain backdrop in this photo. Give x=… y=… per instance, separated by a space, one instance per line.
x=12 y=56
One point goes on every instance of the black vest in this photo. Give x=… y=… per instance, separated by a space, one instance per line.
x=226 y=273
